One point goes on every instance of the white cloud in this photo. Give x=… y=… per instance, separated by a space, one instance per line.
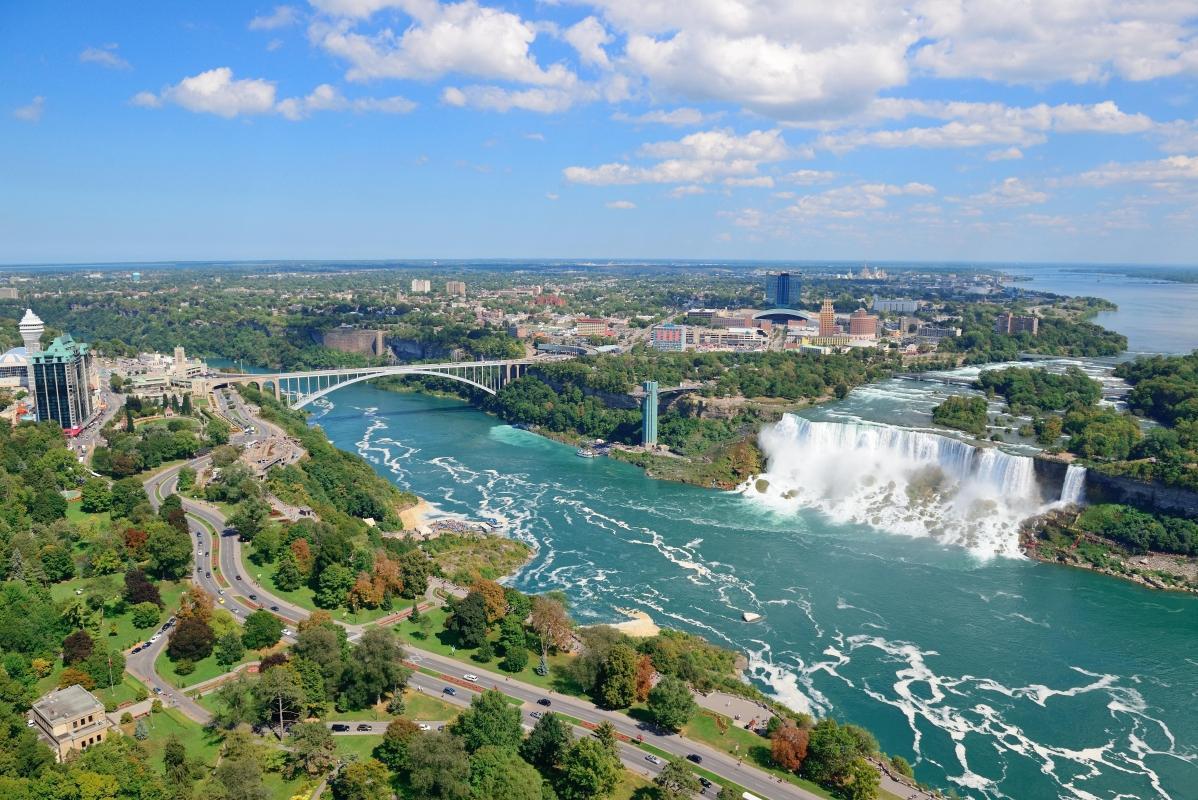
x=215 y=92
x=552 y=196
x=461 y=38
x=146 y=100
x=327 y=98
x=698 y=158
x=218 y=92
x=1009 y=154
x=32 y=112
x=281 y=17
x=588 y=37
x=809 y=176
x=688 y=190
x=495 y=98
x=977 y=124
x=1051 y=40
x=1011 y=192
x=105 y=56
x=535 y=137
x=758 y=182
x=1162 y=171
x=682 y=117
x=621 y=205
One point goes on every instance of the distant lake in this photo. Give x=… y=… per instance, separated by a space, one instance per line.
x=1156 y=316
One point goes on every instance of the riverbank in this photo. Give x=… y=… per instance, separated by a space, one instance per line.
x=1054 y=538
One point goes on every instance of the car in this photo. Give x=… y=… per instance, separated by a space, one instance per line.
x=339 y=727
x=155 y=637
x=221 y=601
x=29 y=723
x=208 y=553
x=706 y=784
x=157 y=690
x=424 y=726
x=363 y=727
x=545 y=701
x=253 y=597
x=220 y=592
x=535 y=714
x=238 y=577
x=274 y=608
x=440 y=727
x=652 y=759
x=470 y=677
x=288 y=632
x=207 y=574
x=135 y=650
x=694 y=758
x=449 y=690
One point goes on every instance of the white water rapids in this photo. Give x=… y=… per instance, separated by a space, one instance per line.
x=903 y=481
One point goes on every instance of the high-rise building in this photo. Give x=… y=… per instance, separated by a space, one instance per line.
x=421 y=286
x=669 y=336
x=1015 y=323
x=61 y=382
x=649 y=414
x=863 y=324
x=782 y=290
x=827 y=319
x=455 y=288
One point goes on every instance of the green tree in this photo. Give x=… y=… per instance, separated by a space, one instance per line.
x=862 y=781
x=374 y=669
x=287 y=576
x=547 y=744
x=335 y=580
x=95 y=496
x=56 y=563
x=671 y=703
x=588 y=771
x=498 y=773
x=393 y=750
x=514 y=642
x=468 y=619
x=249 y=518
x=415 y=567
x=127 y=494
x=186 y=479
x=311 y=750
x=617 y=678
x=490 y=720
x=239 y=774
x=169 y=550
x=438 y=767
x=262 y=629
x=362 y=780
x=146 y=615
x=676 y=781
x=47 y=505
x=279 y=697
x=229 y=649
x=191 y=639
x=234 y=704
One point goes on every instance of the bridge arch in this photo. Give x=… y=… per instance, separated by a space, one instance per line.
x=309 y=398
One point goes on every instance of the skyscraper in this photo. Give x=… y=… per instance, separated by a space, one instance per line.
x=61 y=382
x=827 y=319
x=782 y=290
x=649 y=414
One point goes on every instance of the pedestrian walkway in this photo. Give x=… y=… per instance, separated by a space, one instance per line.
x=741 y=709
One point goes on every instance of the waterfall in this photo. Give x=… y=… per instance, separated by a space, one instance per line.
x=899 y=480
x=1073 y=490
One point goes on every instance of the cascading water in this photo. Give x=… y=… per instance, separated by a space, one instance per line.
x=1073 y=490
x=903 y=481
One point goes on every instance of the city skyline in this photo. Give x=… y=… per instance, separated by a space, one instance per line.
x=379 y=129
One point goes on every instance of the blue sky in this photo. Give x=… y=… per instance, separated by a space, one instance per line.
x=1057 y=130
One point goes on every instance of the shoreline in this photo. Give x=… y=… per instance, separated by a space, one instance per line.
x=639 y=624
x=413 y=517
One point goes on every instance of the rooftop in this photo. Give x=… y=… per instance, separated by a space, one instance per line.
x=66 y=704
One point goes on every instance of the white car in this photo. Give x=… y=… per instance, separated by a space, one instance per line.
x=288 y=632
x=424 y=726
x=652 y=759
x=154 y=638
x=471 y=678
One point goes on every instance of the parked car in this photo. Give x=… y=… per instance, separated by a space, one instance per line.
x=424 y=726
x=363 y=727
x=706 y=784
x=535 y=714
x=339 y=727
x=545 y=701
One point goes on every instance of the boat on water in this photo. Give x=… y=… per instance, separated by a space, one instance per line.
x=585 y=452
x=749 y=616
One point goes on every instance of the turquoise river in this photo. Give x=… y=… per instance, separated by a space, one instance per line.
x=997 y=676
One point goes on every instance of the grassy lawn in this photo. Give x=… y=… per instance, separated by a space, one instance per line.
x=633 y=787
x=200 y=743
x=77 y=515
x=443 y=643
x=359 y=747
x=125 y=691
x=205 y=669
x=126 y=634
x=302 y=596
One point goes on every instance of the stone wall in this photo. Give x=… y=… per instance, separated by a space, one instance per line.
x=363 y=341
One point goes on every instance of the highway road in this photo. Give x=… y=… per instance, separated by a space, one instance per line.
x=206 y=519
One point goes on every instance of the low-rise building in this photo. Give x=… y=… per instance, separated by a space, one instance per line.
x=591 y=326
x=863 y=324
x=735 y=338
x=934 y=333
x=70 y=719
x=1016 y=323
